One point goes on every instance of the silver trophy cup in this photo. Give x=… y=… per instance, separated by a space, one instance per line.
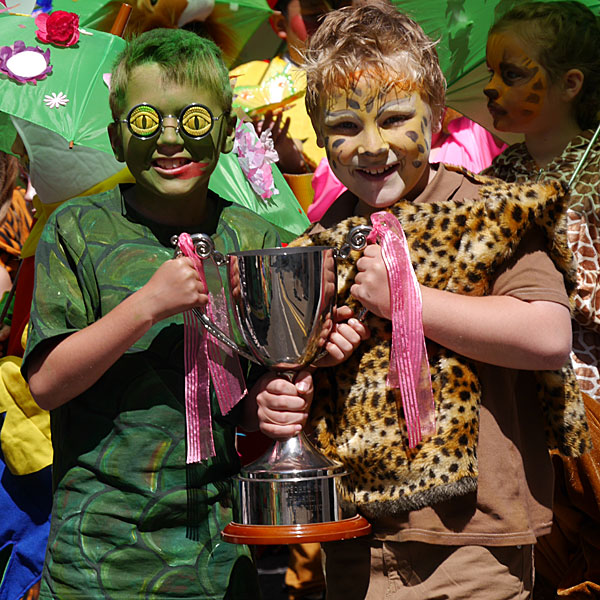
x=281 y=304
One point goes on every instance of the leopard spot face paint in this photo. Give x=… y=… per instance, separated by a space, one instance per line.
x=378 y=144
x=518 y=86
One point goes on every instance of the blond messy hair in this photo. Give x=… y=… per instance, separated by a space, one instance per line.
x=376 y=41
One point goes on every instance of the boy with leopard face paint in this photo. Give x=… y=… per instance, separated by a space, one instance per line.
x=477 y=491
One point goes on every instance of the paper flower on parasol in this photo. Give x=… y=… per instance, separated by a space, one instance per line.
x=60 y=28
x=25 y=64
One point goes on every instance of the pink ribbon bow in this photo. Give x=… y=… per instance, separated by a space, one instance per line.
x=204 y=356
x=409 y=368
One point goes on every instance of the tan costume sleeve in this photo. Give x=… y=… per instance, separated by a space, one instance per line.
x=531 y=275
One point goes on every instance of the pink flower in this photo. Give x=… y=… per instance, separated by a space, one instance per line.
x=60 y=28
x=255 y=157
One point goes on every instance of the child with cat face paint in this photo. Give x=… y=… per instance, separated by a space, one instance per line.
x=457 y=514
x=544 y=66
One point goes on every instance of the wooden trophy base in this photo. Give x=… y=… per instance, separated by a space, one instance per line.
x=346 y=529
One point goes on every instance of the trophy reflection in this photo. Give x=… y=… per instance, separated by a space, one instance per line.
x=282 y=303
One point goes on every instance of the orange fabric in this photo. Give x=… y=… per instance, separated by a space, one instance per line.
x=569 y=557
x=305 y=571
x=14 y=230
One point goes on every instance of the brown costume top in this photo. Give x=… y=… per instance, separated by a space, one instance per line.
x=457 y=487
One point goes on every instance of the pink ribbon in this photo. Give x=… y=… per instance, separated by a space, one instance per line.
x=203 y=357
x=409 y=367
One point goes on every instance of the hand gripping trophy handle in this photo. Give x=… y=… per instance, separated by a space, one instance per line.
x=281 y=313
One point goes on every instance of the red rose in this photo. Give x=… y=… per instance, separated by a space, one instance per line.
x=60 y=28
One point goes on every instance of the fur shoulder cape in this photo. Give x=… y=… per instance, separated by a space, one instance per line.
x=454 y=246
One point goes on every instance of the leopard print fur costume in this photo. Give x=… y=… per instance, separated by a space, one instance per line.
x=454 y=246
x=583 y=217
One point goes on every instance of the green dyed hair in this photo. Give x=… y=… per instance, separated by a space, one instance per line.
x=564 y=36
x=184 y=58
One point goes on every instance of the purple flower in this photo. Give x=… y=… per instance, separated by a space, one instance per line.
x=25 y=63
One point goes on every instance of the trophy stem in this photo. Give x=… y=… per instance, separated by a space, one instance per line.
x=295 y=457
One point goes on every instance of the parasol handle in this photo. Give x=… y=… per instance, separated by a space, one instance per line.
x=121 y=21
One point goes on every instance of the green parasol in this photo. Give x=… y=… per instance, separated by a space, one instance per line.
x=55 y=98
x=61 y=116
x=462 y=26
x=69 y=97
x=282 y=209
x=230 y=24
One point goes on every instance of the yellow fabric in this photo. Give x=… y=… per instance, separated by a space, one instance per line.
x=25 y=434
x=301 y=129
x=43 y=211
x=301 y=185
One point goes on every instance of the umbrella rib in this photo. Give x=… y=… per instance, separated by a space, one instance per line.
x=584 y=157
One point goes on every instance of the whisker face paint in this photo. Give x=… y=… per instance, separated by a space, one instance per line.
x=377 y=140
x=518 y=88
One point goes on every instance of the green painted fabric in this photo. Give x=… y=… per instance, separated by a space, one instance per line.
x=121 y=486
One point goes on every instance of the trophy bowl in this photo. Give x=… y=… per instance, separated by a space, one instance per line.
x=281 y=303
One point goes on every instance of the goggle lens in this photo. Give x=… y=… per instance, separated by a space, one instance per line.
x=196 y=121
x=144 y=121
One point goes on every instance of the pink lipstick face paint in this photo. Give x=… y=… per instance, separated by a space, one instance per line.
x=192 y=170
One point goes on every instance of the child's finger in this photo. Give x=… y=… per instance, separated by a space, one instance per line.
x=268 y=120
x=372 y=251
x=343 y=313
x=345 y=337
x=304 y=383
x=281 y=386
x=285 y=128
x=279 y=432
x=360 y=328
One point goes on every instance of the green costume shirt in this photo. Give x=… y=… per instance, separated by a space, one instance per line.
x=121 y=487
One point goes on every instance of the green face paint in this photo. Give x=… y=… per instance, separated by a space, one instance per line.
x=171 y=139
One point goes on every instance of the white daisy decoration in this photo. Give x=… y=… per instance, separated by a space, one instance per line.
x=55 y=100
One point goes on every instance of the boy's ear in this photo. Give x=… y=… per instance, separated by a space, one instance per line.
x=116 y=141
x=572 y=83
x=227 y=145
x=278 y=23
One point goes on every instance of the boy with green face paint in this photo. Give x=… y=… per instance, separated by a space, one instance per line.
x=105 y=352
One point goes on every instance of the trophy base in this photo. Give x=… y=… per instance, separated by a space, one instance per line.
x=346 y=529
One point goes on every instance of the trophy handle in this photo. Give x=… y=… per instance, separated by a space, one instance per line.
x=355 y=240
x=220 y=336
x=205 y=248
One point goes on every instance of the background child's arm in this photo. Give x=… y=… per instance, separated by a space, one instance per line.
x=59 y=372
x=499 y=330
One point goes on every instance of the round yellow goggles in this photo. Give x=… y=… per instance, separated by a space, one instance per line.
x=194 y=121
